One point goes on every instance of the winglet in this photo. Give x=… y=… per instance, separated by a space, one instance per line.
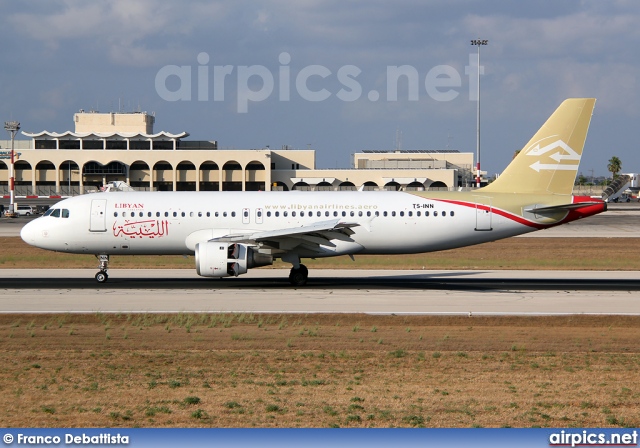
x=548 y=164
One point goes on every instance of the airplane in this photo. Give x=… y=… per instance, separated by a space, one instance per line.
x=232 y=232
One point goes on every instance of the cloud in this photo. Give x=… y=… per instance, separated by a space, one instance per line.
x=130 y=33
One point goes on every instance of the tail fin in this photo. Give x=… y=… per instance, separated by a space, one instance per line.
x=548 y=164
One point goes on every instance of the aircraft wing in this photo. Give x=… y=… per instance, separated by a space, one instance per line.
x=309 y=237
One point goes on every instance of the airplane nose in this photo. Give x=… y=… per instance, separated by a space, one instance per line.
x=29 y=233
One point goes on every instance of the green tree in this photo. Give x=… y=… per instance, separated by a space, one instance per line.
x=581 y=180
x=614 y=166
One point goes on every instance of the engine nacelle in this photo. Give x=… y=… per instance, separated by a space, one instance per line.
x=214 y=259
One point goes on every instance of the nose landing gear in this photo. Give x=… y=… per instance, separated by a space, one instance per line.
x=102 y=276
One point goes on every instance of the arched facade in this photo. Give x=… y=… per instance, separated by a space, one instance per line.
x=302 y=186
x=324 y=186
x=140 y=175
x=438 y=186
x=392 y=186
x=186 y=176
x=415 y=186
x=232 y=176
x=68 y=179
x=77 y=162
x=209 y=176
x=254 y=177
x=369 y=186
x=279 y=186
x=346 y=186
x=164 y=176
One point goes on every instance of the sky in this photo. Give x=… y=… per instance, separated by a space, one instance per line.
x=335 y=76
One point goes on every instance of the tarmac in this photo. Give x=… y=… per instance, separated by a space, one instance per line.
x=332 y=291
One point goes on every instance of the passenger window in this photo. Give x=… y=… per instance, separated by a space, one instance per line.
x=56 y=213
x=418 y=213
x=393 y=214
x=260 y=214
x=277 y=214
x=224 y=214
x=268 y=214
x=401 y=213
x=199 y=214
x=410 y=213
x=377 y=213
x=115 y=214
x=149 y=214
x=360 y=213
x=233 y=214
x=344 y=214
x=384 y=213
x=302 y=214
x=217 y=214
x=285 y=214
x=175 y=214
x=191 y=214
x=368 y=213
x=352 y=214
x=157 y=214
x=444 y=214
x=293 y=214
x=335 y=213
x=426 y=213
x=319 y=214
x=450 y=213
x=435 y=213
x=246 y=214
x=141 y=214
x=65 y=213
x=326 y=213
x=208 y=214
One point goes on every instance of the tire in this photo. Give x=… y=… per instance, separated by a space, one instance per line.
x=299 y=277
x=101 y=277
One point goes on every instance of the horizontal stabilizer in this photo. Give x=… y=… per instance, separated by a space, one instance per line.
x=561 y=208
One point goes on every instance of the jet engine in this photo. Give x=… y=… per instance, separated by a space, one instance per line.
x=216 y=259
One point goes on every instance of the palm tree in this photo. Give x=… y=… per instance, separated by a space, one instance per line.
x=614 y=166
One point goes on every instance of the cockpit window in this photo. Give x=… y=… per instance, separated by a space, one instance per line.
x=48 y=212
x=56 y=213
x=65 y=213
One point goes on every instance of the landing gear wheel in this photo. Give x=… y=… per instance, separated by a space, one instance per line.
x=299 y=277
x=102 y=276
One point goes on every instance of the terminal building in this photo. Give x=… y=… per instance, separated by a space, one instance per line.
x=108 y=147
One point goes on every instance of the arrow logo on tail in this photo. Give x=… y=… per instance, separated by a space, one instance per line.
x=552 y=167
x=538 y=151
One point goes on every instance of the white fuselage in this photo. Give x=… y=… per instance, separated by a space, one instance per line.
x=174 y=222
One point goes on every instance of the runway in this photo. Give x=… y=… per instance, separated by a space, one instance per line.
x=363 y=291
x=399 y=292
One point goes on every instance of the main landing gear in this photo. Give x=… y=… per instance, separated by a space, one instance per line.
x=299 y=276
x=102 y=276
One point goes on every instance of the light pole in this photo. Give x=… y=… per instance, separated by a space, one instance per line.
x=12 y=127
x=478 y=43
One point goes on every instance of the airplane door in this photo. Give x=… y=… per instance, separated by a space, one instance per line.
x=98 y=221
x=259 y=216
x=245 y=216
x=484 y=215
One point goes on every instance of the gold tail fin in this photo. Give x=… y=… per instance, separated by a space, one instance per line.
x=548 y=164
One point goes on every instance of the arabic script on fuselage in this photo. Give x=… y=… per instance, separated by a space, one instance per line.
x=152 y=228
